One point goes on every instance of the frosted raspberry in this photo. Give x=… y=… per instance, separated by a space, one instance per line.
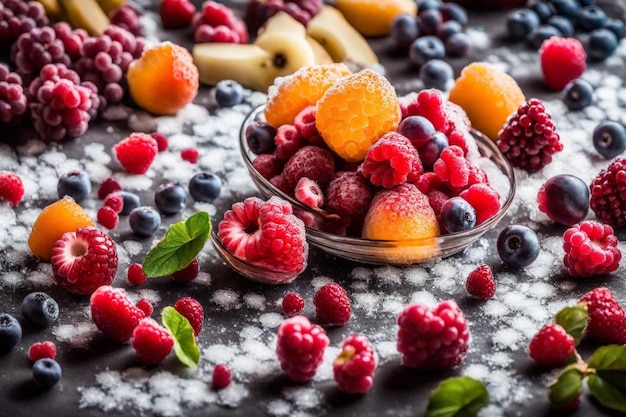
x=288 y=140
x=312 y=162
x=607 y=320
x=107 y=217
x=309 y=192
x=480 y=283
x=188 y=273
x=113 y=313
x=332 y=305
x=146 y=306
x=107 y=187
x=590 y=248
x=190 y=155
x=39 y=350
x=392 y=160
x=292 y=304
x=192 y=310
x=436 y=199
x=608 y=193
x=280 y=182
x=430 y=104
x=152 y=342
x=562 y=60
x=135 y=274
x=136 y=152
x=221 y=376
x=485 y=200
x=349 y=195
x=11 y=187
x=115 y=201
x=300 y=348
x=432 y=338
x=161 y=140
x=551 y=346
x=354 y=367
x=452 y=167
x=268 y=165
x=305 y=123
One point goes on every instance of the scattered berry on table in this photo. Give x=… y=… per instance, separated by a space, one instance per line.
x=190 y=155
x=404 y=30
x=146 y=306
x=563 y=25
x=152 y=342
x=543 y=9
x=144 y=221
x=300 y=348
x=426 y=48
x=11 y=187
x=429 y=21
x=13 y=102
x=354 y=367
x=205 y=187
x=520 y=23
x=84 y=260
x=617 y=27
x=228 y=93
x=292 y=304
x=609 y=138
x=221 y=376
x=457 y=45
x=131 y=202
x=541 y=34
x=192 y=310
x=107 y=217
x=108 y=186
x=590 y=248
x=40 y=350
x=607 y=193
x=135 y=275
x=449 y=28
x=564 y=199
x=114 y=314
x=40 y=309
x=518 y=245
x=188 y=273
x=436 y=73
x=454 y=12
x=170 y=198
x=260 y=137
x=10 y=332
x=136 y=152
x=161 y=140
x=480 y=283
x=457 y=215
x=115 y=201
x=607 y=320
x=46 y=372
x=435 y=338
x=76 y=184
x=602 y=44
x=562 y=60
x=332 y=305
x=391 y=161
x=567 y=8
x=309 y=192
x=551 y=346
x=577 y=94
x=176 y=14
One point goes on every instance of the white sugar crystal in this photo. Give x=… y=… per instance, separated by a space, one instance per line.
x=320 y=281
x=361 y=274
x=77 y=336
x=258 y=350
x=219 y=353
x=386 y=349
x=388 y=274
x=251 y=332
x=255 y=301
x=227 y=299
x=132 y=247
x=366 y=301
x=279 y=408
x=495 y=308
x=232 y=395
x=416 y=276
x=423 y=297
x=506 y=338
x=393 y=304
x=271 y=320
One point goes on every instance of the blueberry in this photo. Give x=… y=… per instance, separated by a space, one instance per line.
x=520 y=23
x=46 y=372
x=404 y=30
x=418 y=129
x=609 y=139
x=10 y=332
x=543 y=9
x=144 y=221
x=543 y=32
x=449 y=28
x=590 y=17
x=205 y=187
x=567 y=8
x=423 y=5
x=430 y=151
x=617 y=27
x=565 y=199
x=584 y=3
x=457 y=215
x=454 y=12
x=260 y=137
x=602 y=44
x=577 y=94
x=40 y=309
x=76 y=184
x=131 y=202
x=228 y=93
x=426 y=48
x=458 y=45
x=170 y=198
x=429 y=21
x=563 y=24
x=518 y=245
x=436 y=73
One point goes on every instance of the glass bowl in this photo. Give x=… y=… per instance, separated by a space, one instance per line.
x=392 y=252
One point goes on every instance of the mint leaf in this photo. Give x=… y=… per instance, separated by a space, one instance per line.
x=608 y=379
x=185 y=345
x=610 y=357
x=180 y=245
x=606 y=393
x=574 y=320
x=457 y=397
x=567 y=387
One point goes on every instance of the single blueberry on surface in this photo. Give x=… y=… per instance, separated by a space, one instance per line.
x=601 y=44
x=458 y=45
x=404 y=30
x=10 y=332
x=228 y=93
x=46 y=372
x=429 y=21
x=436 y=73
x=144 y=221
x=40 y=309
x=577 y=94
x=518 y=245
x=260 y=137
x=540 y=34
x=454 y=12
x=590 y=18
x=426 y=48
x=617 y=27
x=76 y=184
x=449 y=28
x=564 y=199
x=205 y=187
x=563 y=24
x=170 y=198
x=429 y=5
x=543 y=9
x=458 y=215
x=131 y=202
x=609 y=139
x=567 y=8
x=520 y=23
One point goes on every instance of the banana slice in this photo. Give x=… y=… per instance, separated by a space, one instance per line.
x=86 y=14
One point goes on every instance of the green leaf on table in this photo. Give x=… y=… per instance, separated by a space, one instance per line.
x=606 y=393
x=567 y=387
x=609 y=358
x=185 y=346
x=574 y=320
x=180 y=245
x=457 y=397
x=607 y=382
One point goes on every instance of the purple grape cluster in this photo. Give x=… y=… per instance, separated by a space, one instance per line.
x=12 y=97
x=37 y=48
x=72 y=39
x=18 y=17
x=127 y=18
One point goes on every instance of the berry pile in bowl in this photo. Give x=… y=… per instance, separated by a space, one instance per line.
x=375 y=178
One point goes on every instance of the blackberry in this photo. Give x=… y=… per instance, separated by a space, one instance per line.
x=608 y=191
x=12 y=97
x=18 y=17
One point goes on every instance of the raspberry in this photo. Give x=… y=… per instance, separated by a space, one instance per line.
x=192 y=310
x=349 y=195
x=300 y=348
x=432 y=338
x=590 y=248
x=114 y=314
x=107 y=187
x=305 y=123
x=392 y=160
x=11 y=187
x=107 y=217
x=115 y=201
x=529 y=137
x=562 y=60
x=429 y=104
x=292 y=304
x=280 y=182
x=485 y=200
x=136 y=152
x=84 y=260
x=220 y=17
x=152 y=342
x=288 y=140
x=188 y=273
x=308 y=192
x=268 y=165
x=607 y=320
x=146 y=306
x=551 y=346
x=608 y=194
x=12 y=97
x=176 y=14
x=190 y=155
x=41 y=350
x=354 y=367
x=312 y=162
x=161 y=140
x=332 y=305
x=221 y=376
x=135 y=274
x=452 y=167
x=480 y=283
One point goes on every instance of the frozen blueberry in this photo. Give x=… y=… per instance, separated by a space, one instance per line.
x=430 y=151
x=46 y=372
x=260 y=137
x=543 y=32
x=567 y=8
x=429 y=21
x=458 y=45
x=10 y=332
x=518 y=245
x=144 y=221
x=40 y=309
x=609 y=139
x=205 y=187
x=601 y=45
x=228 y=93
x=449 y=28
x=404 y=30
x=458 y=215
x=563 y=24
x=617 y=27
x=424 y=5
x=418 y=129
x=543 y=9
x=436 y=73
x=170 y=198
x=584 y=3
x=520 y=23
x=76 y=184
x=455 y=12
x=426 y=48
x=131 y=202
x=590 y=17
x=565 y=199
x=577 y=94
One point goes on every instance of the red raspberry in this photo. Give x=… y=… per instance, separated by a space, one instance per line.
x=11 y=187
x=309 y=192
x=114 y=200
x=107 y=187
x=332 y=305
x=452 y=167
x=436 y=199
x=221 y=376
x=529 y=137
x=562 y=60
x=268 y=165
x=136 y=152
x=221 y=17
x=551 y=346
x=136 y=275
x=300 y=348
x=607 y=320
x=161 y=140
x=429 y=104
x=280 y=182
x=146 y=306
x=288 y=140
x=305 y=124
x=392 y=160
x=176 y=14
x=354 y=367
x=152 y=342
x=192 y=310
x=114 y=314
x=40 y=350
x=480 y=283
x=349 y=195
x=293 y=304
x=485 y=200
x=107 y=217
x=432 y=338
x=190 y=154
x=608 y=193
x=84 y=260
x=590 y=248
x=188 y=273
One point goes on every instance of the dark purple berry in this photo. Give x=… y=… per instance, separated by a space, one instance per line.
x=429 y=21
x=457 y=215
x=404 y=30
x=426 y=48
x=417 y=129
x=449 y=28
x=455 y=12
x=543 y=9
x=40 y=309
x=430 y=151
x=540 y=34
x=520 y=23
x=10 y=332
x=458 y=45
x=601 y=45
x=46 y=372
x=228 y=93
x=564 y=199
x=131 y=202
x=518 y=245
x=563 y=25
x=424 y=5
x=144 y=221
x=170 y=198
x=260 y=137
x=590 y=17
x=609 y=139
x=75 y=184
x=567 y=8
x=577 y=94
x=205 y=187
x=617 y=27
x=436 y=73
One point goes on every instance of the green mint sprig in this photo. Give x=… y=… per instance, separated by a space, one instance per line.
x=574 y=320
x=185 y=346
x=457 y=397
x=180 y=245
